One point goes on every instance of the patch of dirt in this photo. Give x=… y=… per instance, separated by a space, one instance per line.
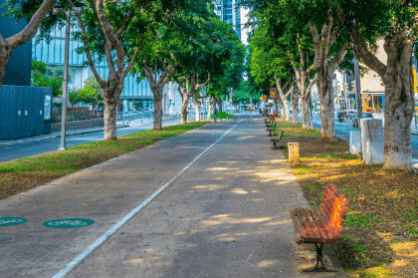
x=379 y=238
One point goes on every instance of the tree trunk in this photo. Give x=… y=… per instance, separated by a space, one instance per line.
x=197 y=107
x=184 y=112
x=305 y=114
x=295 y=108
x=5 y=53
x=326 y=99
x=109 y=118
x=399 y=99
x=219 y=102
x=276 y=103
x=286 y=110
x=209 y=109
x=158 y=111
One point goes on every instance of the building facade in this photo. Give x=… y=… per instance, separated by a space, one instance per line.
x=135 y=95
x=18 y=68
x=229 y=13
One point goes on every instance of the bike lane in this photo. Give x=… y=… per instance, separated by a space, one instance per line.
x=226 y=215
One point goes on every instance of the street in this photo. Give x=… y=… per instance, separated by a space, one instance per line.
x=12 y=152
x=342 y=130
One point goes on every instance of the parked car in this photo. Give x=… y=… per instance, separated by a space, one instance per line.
x=346 y=115
x=363 y=116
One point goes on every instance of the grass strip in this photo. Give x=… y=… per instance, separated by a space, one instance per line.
x=22 y=174
x=380 y=234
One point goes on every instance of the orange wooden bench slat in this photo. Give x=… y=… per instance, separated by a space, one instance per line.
x=325 y=224
x=309 y=231
x=326 y=235
x=298 y=229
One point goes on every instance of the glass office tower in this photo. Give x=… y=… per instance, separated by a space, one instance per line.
x=227 y=11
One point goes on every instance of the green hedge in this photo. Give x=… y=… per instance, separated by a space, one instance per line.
x=222 y=115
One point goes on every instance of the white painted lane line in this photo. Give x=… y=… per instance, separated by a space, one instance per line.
x=71 y=265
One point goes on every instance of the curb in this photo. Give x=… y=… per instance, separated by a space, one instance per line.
x=55 y=136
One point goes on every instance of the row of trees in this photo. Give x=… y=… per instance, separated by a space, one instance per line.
x=163 y=40
x=298 y=42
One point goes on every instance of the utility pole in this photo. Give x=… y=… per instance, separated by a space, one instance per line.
x=68 y=13
x=310 y=96
x=358 y=92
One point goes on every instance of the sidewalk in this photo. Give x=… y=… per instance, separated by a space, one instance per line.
x=212 y=202
x=57 y=134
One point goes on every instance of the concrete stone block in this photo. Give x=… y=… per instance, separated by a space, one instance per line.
x=355 y=142
x=293 y=148
x=372 y=140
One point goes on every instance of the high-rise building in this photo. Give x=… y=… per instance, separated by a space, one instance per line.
x=229 y=13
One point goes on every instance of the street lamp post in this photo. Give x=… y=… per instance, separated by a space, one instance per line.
x=76 y=10
x=358 y=92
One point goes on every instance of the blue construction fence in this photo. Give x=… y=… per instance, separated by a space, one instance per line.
x=24 y=111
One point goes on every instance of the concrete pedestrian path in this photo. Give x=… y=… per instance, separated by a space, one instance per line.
x=222 y=211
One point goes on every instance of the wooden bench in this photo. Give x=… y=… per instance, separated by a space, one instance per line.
x=321 y=226
x=270 y=129
x=278 y=139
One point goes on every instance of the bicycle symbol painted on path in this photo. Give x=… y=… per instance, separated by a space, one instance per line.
x=9 y=221
x=65 y=223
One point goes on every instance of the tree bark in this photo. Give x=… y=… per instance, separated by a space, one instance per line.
x=295 y=107
x=113 y=86
x=283 y=97
x=109 y=117
x=197 y=107
x=305 y=114
x=9 y=44
x=326 y=99
x=400 y=103
x=187 y=93
x=325 y=71
x=219 y=102
x=157 y=89
x=397 y=76
x=158 y=111
x=301 y=74
x=5 y=53
x=185 y=103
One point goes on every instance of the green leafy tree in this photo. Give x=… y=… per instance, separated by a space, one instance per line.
x=210 y=51
x=41 y=77
x=90 y=94
x=169 y=44
x=245 y=92
x=395 y=23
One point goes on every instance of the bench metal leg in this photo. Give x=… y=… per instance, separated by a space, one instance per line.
x=319 y=259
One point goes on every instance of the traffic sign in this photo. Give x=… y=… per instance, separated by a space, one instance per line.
x=9 y=221
x=65 y=223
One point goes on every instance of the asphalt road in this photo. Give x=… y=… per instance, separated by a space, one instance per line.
x=12 y=152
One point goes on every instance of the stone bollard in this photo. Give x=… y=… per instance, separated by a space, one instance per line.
x=355 y=142
x=293 y=148
x=372 y=141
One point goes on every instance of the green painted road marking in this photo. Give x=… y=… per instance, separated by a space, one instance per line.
x=65 y=223
x=9 y=221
